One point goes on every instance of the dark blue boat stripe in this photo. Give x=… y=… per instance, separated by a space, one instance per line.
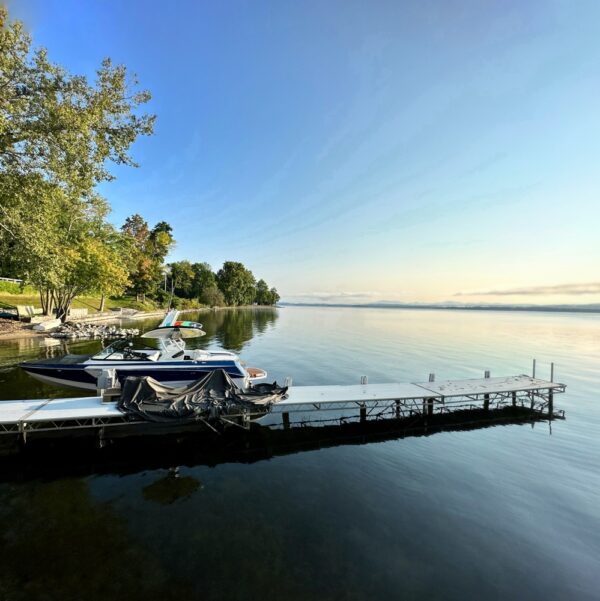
x=77 y=373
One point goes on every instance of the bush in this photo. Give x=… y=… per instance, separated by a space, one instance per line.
x=212 y=297
x=10 y=288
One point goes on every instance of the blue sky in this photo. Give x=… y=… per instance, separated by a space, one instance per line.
x=360 y=151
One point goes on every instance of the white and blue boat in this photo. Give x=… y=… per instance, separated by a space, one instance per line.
x=168 y=361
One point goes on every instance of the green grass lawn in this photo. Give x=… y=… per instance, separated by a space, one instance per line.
x=91 y=303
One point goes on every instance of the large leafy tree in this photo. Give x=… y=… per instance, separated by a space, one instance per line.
x=59 y=133
x=182 y=274
x=274 y=297
x=147 y=251
x=266 y=295
x=204 y=279
x=236 y=283
x=212 y=296
x=141 y=266
x=262 y=293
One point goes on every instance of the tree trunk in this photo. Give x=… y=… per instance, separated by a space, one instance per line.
x=63 y=300
x=46 y=300
x=102 y=301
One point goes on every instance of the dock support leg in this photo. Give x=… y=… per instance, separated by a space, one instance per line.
x=363 y=415
x=397 y=409
x=514 y=399
x=286 y=420
x=429 y=407
x=550 y=404
x=486 y=402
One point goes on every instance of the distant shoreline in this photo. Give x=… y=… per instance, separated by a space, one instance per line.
x=425 y=307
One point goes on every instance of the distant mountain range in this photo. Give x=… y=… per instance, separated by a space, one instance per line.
x=451 y=305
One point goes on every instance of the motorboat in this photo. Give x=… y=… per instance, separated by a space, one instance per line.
x=167 y=360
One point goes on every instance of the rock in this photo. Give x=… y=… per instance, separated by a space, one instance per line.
x=47 y=326
x=90 y=330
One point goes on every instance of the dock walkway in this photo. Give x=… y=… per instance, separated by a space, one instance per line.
x=374 y=401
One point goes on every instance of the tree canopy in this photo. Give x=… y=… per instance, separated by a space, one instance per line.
x=59 y=133
x=147 y=250
x=236 y=283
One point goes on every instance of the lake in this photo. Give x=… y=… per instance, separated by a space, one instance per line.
x=510 y=511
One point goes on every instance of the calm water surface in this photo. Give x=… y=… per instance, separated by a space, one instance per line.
x=507 y=512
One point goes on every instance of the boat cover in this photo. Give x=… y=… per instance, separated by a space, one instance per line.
x=211 y=397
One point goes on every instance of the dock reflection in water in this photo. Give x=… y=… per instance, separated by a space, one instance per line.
x=68 y=457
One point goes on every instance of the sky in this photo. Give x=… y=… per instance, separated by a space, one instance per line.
x=355 y=152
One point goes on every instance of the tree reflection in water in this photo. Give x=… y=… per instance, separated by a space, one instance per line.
x=171 y=488
x=57 y=542
x=233 y=328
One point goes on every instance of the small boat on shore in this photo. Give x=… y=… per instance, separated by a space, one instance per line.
x=168 y=361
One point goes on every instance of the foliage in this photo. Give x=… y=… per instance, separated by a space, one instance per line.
x=184 y=303
x=264 y=295
x=58 y=132
x=147 y=250
x=10 y=287
x=182 y=275
x=236 y=283
x=204 y=279
x=212 y=296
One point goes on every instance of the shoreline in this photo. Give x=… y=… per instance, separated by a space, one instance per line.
x=21 y=329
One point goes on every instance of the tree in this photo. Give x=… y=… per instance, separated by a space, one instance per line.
x=58 y=124
x=147 y=251
x=236 y=283
x=274 y=297
x=183 y=278
x=204 y=279
x=212 y=296
x=58 y=133
x=262 y=293
x=161 y=241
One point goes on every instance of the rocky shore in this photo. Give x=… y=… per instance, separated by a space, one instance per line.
x=72 y=330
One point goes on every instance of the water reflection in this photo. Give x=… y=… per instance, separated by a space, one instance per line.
x=234 y=328
x=57 y=458
x=321 y=515
x=170 y=488
x=42 y=526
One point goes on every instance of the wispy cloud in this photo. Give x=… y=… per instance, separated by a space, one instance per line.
x=340 y=297
x=566 y=289
x=336 y=295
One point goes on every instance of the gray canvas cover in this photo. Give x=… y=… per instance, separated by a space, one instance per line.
x=215 y=395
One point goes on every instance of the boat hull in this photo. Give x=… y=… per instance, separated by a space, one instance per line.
x=76 y=376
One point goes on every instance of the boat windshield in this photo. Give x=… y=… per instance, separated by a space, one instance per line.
x=125 y=349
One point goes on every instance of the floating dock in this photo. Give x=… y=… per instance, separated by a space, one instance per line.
x=303 y=405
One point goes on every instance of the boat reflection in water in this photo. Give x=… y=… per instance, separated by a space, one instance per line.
x=73 y=457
